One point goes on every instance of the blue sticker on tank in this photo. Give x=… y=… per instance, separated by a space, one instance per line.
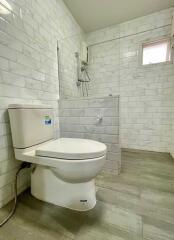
x=48 y=120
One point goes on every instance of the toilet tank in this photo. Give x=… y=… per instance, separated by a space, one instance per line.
x=30 y=124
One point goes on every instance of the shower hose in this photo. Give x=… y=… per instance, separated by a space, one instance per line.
x=23 y=165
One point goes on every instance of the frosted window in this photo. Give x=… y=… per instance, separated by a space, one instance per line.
x=156 y=52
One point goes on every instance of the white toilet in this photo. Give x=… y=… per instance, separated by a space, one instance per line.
x=63 y=169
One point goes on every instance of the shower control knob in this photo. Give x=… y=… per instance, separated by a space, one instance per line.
x=99 y=119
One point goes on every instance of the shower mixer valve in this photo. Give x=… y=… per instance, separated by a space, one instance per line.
x=99 y=118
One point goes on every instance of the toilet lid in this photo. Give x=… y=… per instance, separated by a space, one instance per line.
x=72 y=148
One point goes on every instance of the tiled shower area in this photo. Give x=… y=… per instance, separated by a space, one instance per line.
x=94 y=118
x=146 y=92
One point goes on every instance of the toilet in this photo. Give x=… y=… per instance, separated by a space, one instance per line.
x=64 y=169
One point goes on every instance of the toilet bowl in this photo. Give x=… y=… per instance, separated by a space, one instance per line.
x=64 y=169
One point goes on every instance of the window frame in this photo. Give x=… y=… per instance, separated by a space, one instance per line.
x=151 y=42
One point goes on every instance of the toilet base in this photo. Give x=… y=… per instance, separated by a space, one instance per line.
x=46 y=186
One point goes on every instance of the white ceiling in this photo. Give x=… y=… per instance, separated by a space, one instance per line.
x=96 y=14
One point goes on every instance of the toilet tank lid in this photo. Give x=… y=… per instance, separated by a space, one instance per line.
x=29 y=106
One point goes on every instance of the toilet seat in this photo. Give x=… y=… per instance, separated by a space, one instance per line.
x=72 y=149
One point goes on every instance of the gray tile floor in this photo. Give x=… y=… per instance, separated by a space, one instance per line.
x=138 y=204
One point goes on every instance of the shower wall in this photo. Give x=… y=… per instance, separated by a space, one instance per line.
x=171 y=145
x=68 y=65
x=146 y=92
x=79 y=119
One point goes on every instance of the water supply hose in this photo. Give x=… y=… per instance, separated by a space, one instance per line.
x=23 y=165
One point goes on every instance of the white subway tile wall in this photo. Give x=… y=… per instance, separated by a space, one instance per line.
x=146 y=92
x=68 y=66
x=171 y=144
x=79 y=119
x=29 y=69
